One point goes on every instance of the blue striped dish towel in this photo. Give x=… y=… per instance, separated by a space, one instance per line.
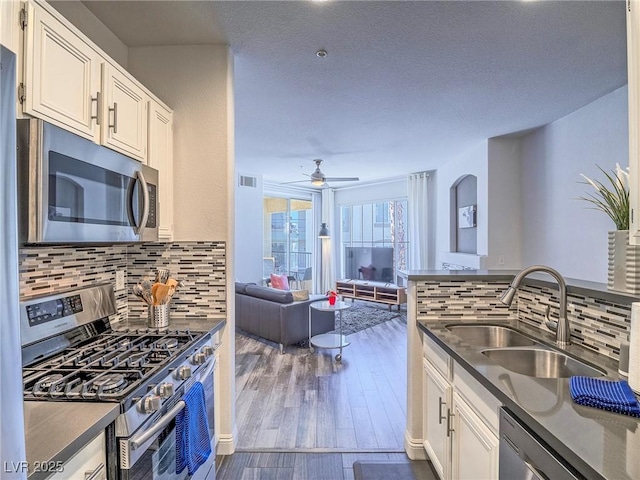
x=193 y=443
x=605 y=394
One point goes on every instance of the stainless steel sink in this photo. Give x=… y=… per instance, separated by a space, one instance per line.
x=493 y=336
x=541 y=363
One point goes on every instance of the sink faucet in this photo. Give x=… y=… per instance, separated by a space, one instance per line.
x=563 y=333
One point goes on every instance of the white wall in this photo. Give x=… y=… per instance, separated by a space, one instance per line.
x=504 y=204
x=379 y=191
x=249 y=231
x=473 y=162
x=558 y=229
x=193 y=81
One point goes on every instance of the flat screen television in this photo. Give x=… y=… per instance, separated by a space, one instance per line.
x=369 y=263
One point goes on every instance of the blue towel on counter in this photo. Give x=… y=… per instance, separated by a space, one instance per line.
x=612 y=396
x=193 y=443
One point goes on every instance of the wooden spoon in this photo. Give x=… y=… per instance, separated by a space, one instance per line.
x=172 y=282
x=160 y=293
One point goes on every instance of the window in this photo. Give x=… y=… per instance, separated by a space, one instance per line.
x=367 y=227
x=288 y=236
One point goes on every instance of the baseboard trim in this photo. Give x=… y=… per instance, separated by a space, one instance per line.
x=226 y=444
x=414 y=448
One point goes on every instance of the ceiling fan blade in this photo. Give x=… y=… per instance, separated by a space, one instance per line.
x=341 y=179
x=297 y=181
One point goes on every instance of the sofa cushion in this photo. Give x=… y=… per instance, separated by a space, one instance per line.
x=271 y=294
x=281 y=282
x=242 y=287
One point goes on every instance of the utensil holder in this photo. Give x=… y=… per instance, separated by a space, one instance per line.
x=158 y=316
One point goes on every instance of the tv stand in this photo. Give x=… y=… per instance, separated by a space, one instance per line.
x=380 y=292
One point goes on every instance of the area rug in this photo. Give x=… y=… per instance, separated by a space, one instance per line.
x=362 y=314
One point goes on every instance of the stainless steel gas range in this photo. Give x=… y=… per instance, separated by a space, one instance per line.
x=71 y=354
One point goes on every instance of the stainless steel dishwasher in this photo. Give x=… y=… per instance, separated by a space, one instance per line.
x=524 y=456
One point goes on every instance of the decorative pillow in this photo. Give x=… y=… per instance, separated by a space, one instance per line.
x=300 y=295
x=281 y=282
x=367 y=272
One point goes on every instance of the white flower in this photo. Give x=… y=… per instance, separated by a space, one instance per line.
x=593 y=184
x=623 y=176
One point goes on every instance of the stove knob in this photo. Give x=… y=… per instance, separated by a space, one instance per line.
x=208 y=350
x=198 y=358
x=150 y=404
x=165 y=390
x=183 y=373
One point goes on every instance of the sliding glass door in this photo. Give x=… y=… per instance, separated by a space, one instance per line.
x=288 y=239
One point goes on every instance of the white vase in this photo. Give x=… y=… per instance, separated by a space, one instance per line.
x=624 y=263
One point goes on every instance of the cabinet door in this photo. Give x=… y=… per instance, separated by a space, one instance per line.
x=90 y=460
x=160 y=157
x=474 y=446
x=124 y=122
x=633 y=74
x=62 y=75
x=436 y=396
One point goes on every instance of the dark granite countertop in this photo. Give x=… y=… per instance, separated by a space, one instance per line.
x=575 y=286
x=599 y=444
x=55 y=431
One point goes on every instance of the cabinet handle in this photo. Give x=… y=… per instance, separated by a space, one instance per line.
x=97 y=474
x=449 y=417
x=115 y=117
x=96 y=117
x=441 y=417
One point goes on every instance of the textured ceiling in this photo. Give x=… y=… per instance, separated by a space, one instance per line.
x=405 y=85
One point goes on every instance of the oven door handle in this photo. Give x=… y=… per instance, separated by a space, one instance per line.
x=139 y=440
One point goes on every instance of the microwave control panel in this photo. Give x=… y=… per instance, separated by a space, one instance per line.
x=152 y=219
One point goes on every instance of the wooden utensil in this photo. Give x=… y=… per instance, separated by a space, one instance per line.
x=160 y=291
x=172 y=282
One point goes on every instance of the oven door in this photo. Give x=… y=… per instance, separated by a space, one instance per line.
x=155 y=457
x=78 y=191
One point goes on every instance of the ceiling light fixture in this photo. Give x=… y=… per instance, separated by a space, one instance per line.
x=324 y=231
x=321 y=53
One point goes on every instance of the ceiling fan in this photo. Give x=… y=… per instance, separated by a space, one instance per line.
x=318 y=178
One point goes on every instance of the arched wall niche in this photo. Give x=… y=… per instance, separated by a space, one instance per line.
x=463 y=193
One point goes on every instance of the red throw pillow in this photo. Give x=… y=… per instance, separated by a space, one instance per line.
x=281 y=282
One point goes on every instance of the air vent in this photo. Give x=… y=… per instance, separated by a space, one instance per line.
x=246 y=181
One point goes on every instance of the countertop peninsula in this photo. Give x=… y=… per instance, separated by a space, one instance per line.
x=599 y=444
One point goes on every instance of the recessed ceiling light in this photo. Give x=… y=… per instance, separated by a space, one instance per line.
x=321 y=53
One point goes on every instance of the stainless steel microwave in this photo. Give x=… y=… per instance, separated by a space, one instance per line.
x=72 y=190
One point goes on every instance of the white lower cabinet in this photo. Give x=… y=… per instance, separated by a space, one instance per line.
x=90 y=463
x=437 y=397
x=460 y=420
x=474 y=450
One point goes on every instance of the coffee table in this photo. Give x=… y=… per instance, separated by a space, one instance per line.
x=329 y=340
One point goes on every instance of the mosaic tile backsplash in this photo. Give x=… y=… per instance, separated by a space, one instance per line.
x=596 y=324
x=461 y=300
x=200 y=266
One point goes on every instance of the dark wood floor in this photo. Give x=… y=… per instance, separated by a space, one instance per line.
x=303 y=400
x=305 y=416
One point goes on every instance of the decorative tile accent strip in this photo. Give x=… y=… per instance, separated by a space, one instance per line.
x=57 y=269
x=454 y=266
x=595 y=324
x=462 y=300
x=200 y=267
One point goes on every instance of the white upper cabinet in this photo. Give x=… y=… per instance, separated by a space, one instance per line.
x=61 y=75
x=633 y=74
x=160 y=157
x=70 y=82
x=124 y=111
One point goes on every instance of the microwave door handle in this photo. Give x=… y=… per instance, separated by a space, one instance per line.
x=145 y=208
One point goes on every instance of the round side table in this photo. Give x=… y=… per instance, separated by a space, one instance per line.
x=329 y=340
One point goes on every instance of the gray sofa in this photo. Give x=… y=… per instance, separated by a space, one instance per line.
x=274 y=315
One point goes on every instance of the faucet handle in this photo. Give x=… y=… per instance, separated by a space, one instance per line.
x=551 y=324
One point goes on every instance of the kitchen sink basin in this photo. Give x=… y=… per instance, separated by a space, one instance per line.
x=541 y=363
x=493 y=336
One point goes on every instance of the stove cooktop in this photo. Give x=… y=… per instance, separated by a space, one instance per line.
x=109 y=367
